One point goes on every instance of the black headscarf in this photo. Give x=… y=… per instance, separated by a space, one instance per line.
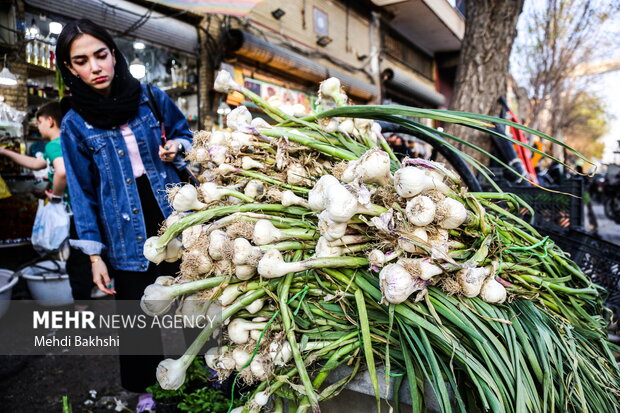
x=105 y=112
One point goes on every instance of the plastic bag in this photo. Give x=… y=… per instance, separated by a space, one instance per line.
x=4 y=189
x=51 y=227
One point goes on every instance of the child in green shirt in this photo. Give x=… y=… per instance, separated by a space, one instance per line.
x=49 y=117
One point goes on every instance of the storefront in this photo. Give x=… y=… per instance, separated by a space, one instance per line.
x=285 y=79
x=160 y=48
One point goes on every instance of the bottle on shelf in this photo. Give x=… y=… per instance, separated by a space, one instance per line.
x=174 y=74
x=36 y=45
x=184 y=84
x=52 y=53
x=44 y=53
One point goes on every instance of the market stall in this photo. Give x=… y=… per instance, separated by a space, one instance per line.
x=163 y=51
x=321 y=250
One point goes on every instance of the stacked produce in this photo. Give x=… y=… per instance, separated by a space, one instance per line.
x=320 y=249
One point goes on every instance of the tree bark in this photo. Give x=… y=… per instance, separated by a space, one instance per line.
x=482 y=73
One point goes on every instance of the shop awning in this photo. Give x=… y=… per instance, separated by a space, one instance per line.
x=120 y=15
x=406 y=84
x=259 y=50
x=228 y=7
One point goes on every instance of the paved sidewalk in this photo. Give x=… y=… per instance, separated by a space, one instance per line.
x=607 y=229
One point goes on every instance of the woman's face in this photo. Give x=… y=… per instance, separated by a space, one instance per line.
x=93 y=62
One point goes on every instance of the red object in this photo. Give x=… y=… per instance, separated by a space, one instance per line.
x=523 y=153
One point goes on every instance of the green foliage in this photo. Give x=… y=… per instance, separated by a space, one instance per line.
x=66 y=405
x=589 y=121
x=206 y=400
x=197 y=377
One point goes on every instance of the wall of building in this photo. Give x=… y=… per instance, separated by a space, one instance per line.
x=349 y=31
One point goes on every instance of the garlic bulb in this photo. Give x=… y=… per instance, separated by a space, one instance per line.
x=397 y=284
x=218 y=154
x=280 y=354
x=346 y=126
x=255 y=335
x=225 y=363
x=152 y=251
x=329 y=229
x=230 y=294
x=212 y=355
x=239 y=330
x=324 y=250
x=245 y=272
x=211 y=192
x=223 y=268
x=260 y=368
x=239 y=118
x=245 y=253
x=254 y=189
x=451 y=213
x=266 y=233
x=420 y=210
x=349 y=173
x=362 y=124
x=191 y=235
x=220 y=246
x=201 y=155
x=376 y=258
x=272 y=265
x=186 y=199
x=171 y=373
x=172 y=218
x=290 y=199
x=224 y=82
x=174 y=250
x=191 y=306
x=195 y=263
x=261 y=398
x=411 y=181
x=248 y=163
x=340 y=204
x=422 y=268
x=330 y=89
x=219 y=138
x=255 y=306
x=329 y=125
x=493 y=292
x=407 y=243
x=241 y=358
x=239 y=140
x=260 y=123
x=296 y=174
x=316 y=196
x=471 y=280
x=225 y=169
x=164 y=280
x=372 y=167
x=157 y=299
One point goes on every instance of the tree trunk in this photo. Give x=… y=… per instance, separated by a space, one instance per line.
x=483 y=64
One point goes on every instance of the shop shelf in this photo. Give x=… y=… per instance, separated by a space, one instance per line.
x=38 y=71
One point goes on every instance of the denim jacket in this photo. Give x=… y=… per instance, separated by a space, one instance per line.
x=104 y=196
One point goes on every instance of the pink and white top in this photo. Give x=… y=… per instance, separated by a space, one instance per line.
x=134 y=153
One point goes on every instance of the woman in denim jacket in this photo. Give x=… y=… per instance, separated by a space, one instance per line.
x=117 y=168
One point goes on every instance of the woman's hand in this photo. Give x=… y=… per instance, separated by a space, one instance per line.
x=100 y=274
x=169 y=151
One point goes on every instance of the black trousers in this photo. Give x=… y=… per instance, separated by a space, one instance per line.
x=138 y=371
x=79 y=270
